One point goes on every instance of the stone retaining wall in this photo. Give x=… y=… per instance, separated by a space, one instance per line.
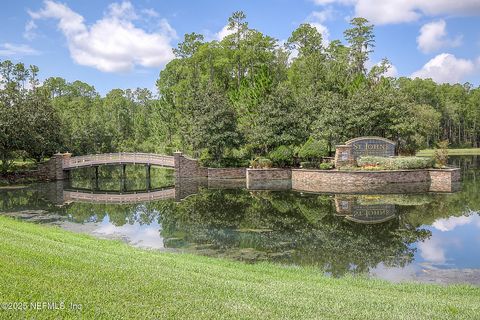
x=269 y=179
x=226 y=173
x=268 y=174
x=334 y=181
x=444 y=180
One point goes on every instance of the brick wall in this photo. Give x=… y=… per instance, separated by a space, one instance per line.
x=227 y=173
x=53 y=168
x=269 y=179
x=401 y=181
x=186 y=167
x=268 y=174
x=444 y=180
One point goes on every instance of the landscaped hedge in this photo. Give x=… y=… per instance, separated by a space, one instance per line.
x=261 y=163
x=395 y=163
x=316 y=165
x=281 y=156
x=313 y=150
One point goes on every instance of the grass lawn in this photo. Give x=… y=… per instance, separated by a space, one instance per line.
x=112 y=280
x=451 y=152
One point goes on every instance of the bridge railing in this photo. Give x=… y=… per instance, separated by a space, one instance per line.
x=118 y=157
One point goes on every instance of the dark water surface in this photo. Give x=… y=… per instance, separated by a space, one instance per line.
x=429 y=237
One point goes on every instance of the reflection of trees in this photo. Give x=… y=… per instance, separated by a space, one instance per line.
x=289 y=228
x=110 y=177
x=23 y=199
x=286 y=227
x=119 y=214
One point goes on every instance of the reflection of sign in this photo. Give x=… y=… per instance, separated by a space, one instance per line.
x=372 y=146
x=377 y=213
x=364 y=213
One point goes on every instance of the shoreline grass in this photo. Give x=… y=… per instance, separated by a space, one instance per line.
x=113 y=280
x=451 y=152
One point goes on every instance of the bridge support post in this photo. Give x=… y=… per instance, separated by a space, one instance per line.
x=95 y=177
x=147 y=177
x=123 y=179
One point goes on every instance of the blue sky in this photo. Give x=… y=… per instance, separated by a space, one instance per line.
x=122 y=44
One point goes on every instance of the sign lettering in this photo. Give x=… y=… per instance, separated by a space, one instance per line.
x=372 y=146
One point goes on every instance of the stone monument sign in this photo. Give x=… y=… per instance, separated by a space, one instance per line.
x=371 y=146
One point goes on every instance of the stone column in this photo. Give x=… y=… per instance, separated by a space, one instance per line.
x=177 y=158
x=57 y=162
x=344 y=156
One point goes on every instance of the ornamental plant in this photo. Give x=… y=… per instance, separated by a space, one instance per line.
x=441 y=154
x=394 y=163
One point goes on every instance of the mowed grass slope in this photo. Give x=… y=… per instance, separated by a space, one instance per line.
x=115 y=281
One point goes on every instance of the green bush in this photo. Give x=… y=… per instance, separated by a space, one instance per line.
x=205 y=159
x=282 y=156
x=261 y=163
x=395 y=163
x=325 y=166
x=313 y=150
x=308 y=165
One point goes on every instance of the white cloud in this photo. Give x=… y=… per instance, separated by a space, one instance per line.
x=11 y=49
x=323 y=30
x=151 y=13
x=317 y=19
x=433 y=36
x=29 y=32
x=446 y=68
x=397 y=11
x=432 y=251
x=113 y=43
x=451 y=223
x=143 y=236
x=391 y=72
x=321 y=16
x=223 y=33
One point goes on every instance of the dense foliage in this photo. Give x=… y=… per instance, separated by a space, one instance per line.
x=242 y=97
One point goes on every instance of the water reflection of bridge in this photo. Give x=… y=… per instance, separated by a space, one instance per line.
x=80 y=195
x=61 y=192
x=359 y=208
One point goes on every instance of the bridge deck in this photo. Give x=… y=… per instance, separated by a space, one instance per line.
x=118 y=158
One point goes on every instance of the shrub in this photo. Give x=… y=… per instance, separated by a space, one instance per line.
x=441 y=154
x=206 y=159
x=282 y=156
x=395 y=163
x=261 y=163
x=313 y=150
x=325 y=166
x=308 y=165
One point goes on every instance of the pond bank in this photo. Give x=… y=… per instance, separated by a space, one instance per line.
x=56 y=265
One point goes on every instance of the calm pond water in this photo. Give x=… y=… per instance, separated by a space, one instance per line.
x=429 y=237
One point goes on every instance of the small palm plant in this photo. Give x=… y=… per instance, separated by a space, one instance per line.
x=441 y=154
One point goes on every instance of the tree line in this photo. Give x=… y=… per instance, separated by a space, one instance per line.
x=238 y=98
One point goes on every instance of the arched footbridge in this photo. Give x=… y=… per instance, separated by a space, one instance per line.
x=69 y=163
x=60 y=164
